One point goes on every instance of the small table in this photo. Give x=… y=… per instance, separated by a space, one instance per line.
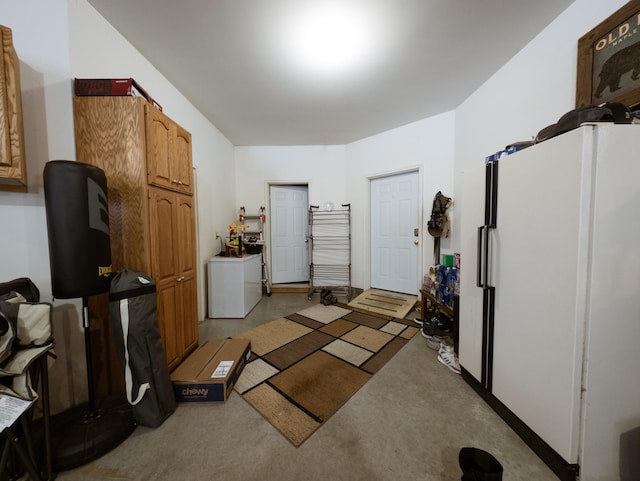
x=427 y=298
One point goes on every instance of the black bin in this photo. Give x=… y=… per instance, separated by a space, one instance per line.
x=479 y=465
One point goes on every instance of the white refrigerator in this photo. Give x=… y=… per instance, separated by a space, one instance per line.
x=549 y=327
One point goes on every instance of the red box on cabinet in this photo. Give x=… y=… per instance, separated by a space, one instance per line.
x=112 y=86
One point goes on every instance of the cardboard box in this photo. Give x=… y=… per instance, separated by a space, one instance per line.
x=112 y=86
x=211 y=371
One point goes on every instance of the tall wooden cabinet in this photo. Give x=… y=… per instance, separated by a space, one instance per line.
x=147 y=160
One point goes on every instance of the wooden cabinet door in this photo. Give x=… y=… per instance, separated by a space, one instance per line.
x=168 y=153
x=13 y=169
x=168 y=313
x=189 y=312
x=160 y=131
x=186 y=252
x=163 y=229
x=187 y=265
x=181 y=160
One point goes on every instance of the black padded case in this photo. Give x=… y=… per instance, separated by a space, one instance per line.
x=133 y=308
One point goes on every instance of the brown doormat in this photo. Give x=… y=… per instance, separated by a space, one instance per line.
x=310 y=363
x=384 y=302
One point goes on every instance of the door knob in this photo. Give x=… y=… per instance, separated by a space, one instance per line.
x=416 y=242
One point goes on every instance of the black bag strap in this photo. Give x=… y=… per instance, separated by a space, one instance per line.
x=23 y=286
x=138 y=291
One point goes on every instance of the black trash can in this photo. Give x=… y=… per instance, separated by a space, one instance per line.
x=479 y=465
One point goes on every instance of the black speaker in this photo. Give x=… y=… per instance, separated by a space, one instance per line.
x=75 y=196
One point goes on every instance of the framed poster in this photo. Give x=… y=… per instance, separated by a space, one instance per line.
x=609 y=60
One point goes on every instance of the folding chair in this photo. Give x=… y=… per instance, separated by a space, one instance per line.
x=26 y=341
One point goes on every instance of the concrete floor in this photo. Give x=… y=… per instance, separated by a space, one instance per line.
x=408 y=422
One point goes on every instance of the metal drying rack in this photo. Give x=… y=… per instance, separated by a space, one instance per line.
x=330 y=249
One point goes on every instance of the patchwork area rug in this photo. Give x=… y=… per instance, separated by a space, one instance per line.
x=384 y=302
x=307 y=365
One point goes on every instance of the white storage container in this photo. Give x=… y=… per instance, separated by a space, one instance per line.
x=235 y=285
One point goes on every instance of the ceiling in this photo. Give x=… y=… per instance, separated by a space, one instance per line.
x=234 y=60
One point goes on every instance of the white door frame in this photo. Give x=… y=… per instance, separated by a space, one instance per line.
x=267 y=224
x=421 y=222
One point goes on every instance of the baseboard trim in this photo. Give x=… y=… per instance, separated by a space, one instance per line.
x=288 y=289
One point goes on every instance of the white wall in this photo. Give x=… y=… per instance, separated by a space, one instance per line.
x=340 y=174
x=48 y=131
x=55 y=41
x=322 y=168
x=40 y=37
x=528 y=93
x=425 y=146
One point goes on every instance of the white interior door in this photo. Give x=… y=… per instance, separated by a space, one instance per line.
x=289 y=207
x=394 y=238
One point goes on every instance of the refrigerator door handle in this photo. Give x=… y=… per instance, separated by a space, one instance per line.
x=479 y=277
x=485 y=258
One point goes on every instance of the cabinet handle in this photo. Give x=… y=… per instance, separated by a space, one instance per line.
x=180 y=279
x=174 y=181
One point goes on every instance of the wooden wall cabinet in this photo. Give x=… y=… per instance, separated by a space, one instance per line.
x=13 y=170
x=152 y=218
x=168 y=153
